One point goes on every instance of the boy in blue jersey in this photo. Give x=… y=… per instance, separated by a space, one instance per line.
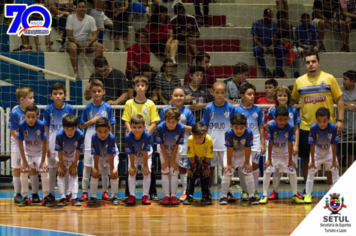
x=24 y=96
x=187 y=119
x=170 y=134
x=323 y=140
x=52 y=118
x=32 y=131
x=105 y=152
x=255 y=123
x=280 y=152
x=69 y=144
x=217 y=117
x=91 y=113
x=138 y=147
x=238 y=141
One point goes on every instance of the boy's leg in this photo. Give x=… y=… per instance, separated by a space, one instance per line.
x=115 y=182
x=147 y=178
x=52 y=171
x=255 y=157
x=24 y=183
x=45 y=183
x=16 y=165
x=62 y=186
x=204 y=184
x=191 y=184
x=183 y=166
x=88 y=160
x=276 y=180
x=218 y=159
x=73 y=183
x=165 y=177
x=174 y=182
x=226 y=182
x=104 y=178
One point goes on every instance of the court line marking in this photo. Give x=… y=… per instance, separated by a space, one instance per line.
x=66 y=232
x=89 y=215
x=224 y=215
x=291 y=214
x=20 y=215
x=121 y=215
x=53 y=215
x=190 y=215
x=257 y=215
x=156 y=215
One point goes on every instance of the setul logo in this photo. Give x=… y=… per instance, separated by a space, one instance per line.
x=314 y=99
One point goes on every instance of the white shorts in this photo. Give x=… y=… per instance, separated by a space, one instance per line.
x=100 y=19
x=166 y=170
x=255 y=157
x=183 y=161
x=34 y=162
x=52 y=160
x=139 y=160
x=327 y=25
x=237 y=162
x=88 y=159
x=327 y=163
x=104 y=162
x=218 y=158
x=16 y=160
x=280 y=163
x=300 y=49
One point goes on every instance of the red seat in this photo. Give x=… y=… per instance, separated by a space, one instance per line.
x=218 y=45
x=217 y=21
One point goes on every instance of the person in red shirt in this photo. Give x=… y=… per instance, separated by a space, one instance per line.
x=161 y=34
x=203 y=59
x=138 y=53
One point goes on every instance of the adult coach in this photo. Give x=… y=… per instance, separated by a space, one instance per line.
x=314 y=90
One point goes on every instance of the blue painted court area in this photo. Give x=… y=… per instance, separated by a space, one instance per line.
x=14 y=230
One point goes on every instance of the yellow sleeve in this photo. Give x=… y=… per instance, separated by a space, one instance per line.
x=335 y=88
x=127 y=114
x=190 y=149
x=209 y=147
x=295 y=93
x=153 y=113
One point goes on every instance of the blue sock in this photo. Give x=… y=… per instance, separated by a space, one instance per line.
x=101 y=36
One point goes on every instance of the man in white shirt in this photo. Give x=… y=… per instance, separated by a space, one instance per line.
x=79 y=26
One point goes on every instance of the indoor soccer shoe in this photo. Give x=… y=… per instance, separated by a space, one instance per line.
x=257 y=195
x=166 y=200
x=18 y=198
x=62 y=202
x=114 y=201
x=131 y=200
x=125 y=198
x=244 y=196
x=83 y=197
x=76 y=202
x=183 y=197
x=263 y=200
x=223 y=201
x=145 y=200
x=36 y=198
x=299 y=195
x=273 y=196
x=231 y=197
x=308 y=198
x=188 y=201
x=51 y=198
x=25 y=202
x=154 y=197
x=297 y=199
x=46 y=201
x=253 y=201
x=106 y=196
x=92 y=201
x=174 y=200
x=206 y=200
x=69 y=198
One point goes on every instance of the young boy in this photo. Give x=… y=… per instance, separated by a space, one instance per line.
x=91 y=113
x=280 y=153
x=24 y=96
x=323 y=140
x=170 y=134
x=270 y=86
x=52 y=118
x=69 y=145
x=238 y=141
x=105 y=152
x=140 y=105
x=233 y=83
x=217 y=117
x=32 y=131
x=199 y=154
x=255 y=124
x=138 y=147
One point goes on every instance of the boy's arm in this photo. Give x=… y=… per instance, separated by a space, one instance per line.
x=335 y=162
x=89 y=122
x=229 y=165
x=73 y=168
x=128 y=126
x=23 y=157
x=14 y=134
x=262 y=136
x=269 y=160
x=113 y=169
x=152 y=128
x=174 y=163
x=296 y=142
x=290 y=155
x=47 y=151
x=61 y=167
x=247 y=164
x=145 y=169
x=95 y=172
x=312 y=155
x=44 y=152
x=132 y=168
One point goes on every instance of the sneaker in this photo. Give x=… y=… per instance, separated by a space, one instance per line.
x=76 y=202
x=223 y=201
x=206 y=200
x=174 y=200
x=263 y=200
x=23 y=49
x=166 y=200
x=131 y=200
x=188 y=201
x=62 y=202
x=36 y=198
x=297 y=199
x=106 y=196
x=231 y=197
x=308 y=199
x=83 y=197
x=46 y=201
x=92 y=201
x=114 y=201
x=257 y=196
x=59 y=40
x=304 y=193
x=18 y=198
x=253 y=201
x=183 y=197
x=273 y=196
x=145 y=200
x=244 y=196
x=62 y=49
x=154 y=197
x=125 y=198
x=117 y=50
x=322 y=48
x=52 y=198
x=268 y=74
x=296 y=75
x=69 y=198
x=25 y=202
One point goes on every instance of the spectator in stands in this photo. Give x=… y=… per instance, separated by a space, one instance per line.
x=349 y=10
x=121 y=23
x=264 y=32
x=286 y=38
x=238 y=78
x=114 y=81
x=79 y=26
x=282 y=5
x=185 y=29
x=203 y=59
x=169 y=4
x=140 y=20
x=139 y=53
x=200 y=19
x=305 y=36
x=161 y=34
x=60 y=11
x=328 y=15
x=166 y=82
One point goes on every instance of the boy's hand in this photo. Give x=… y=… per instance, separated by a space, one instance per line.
x=132 y=171
x=25 y=166
x=113 y=174
x=267 y=164
x=96 y=117
x=174 y=164
x=291 y=163
x=164 y=165
x=295 y=150
x=191 y=171
x=206 y=171
x=263 y=149
x=335 y=164
x=73 y=170
x=95 y=173
x=61 y=171
x=247 y=166
x=145 y=170
x=228 y=167
x=44 y=166
x=311 y=165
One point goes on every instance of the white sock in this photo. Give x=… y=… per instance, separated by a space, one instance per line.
x=114 y=187
x=146 y=184
x=242 y=181
x=165 y=185
x=34 y=183
x=293 y=183
x=183 y=179
x=310 y=183
x=335 y=177
x=174 y=185
x=68 y=188
x=276 y=180
x=225 y=185
x=94 y=187
x=17 y=184
x=52 y=180
x=266 y=181
x=250 y=183
x=104 y=178
x=132 y=184
x=85 y=180
x=24 y=184
x=73 y=183
x=62 y=187
x=256 y=174
x=45 y=183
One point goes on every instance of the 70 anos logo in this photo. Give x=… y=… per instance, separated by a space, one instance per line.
x=21 y=14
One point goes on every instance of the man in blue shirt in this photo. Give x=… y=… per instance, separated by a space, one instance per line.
x=305 y=36
x=264 y=32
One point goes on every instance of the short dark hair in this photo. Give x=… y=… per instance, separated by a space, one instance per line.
x=245 y=87
x=102 y=122
x=272 y=81
x=167 y=60
x=305 y=15
x=323 y=111
x=196 y=68
x=240 y=68
x=199 y=129
x=79 y=1
x=200 y=56
x=70 y=121
x=137 y=119
x=141 y=31
x=265 y=11
x=281 y=111
x=350 y=74
x=100 y=62
x=58 y=86
x=177 y=7
x=280 y=14
x=239 y=119
x=31 y=108
x=312 y=53
x=172 y=113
